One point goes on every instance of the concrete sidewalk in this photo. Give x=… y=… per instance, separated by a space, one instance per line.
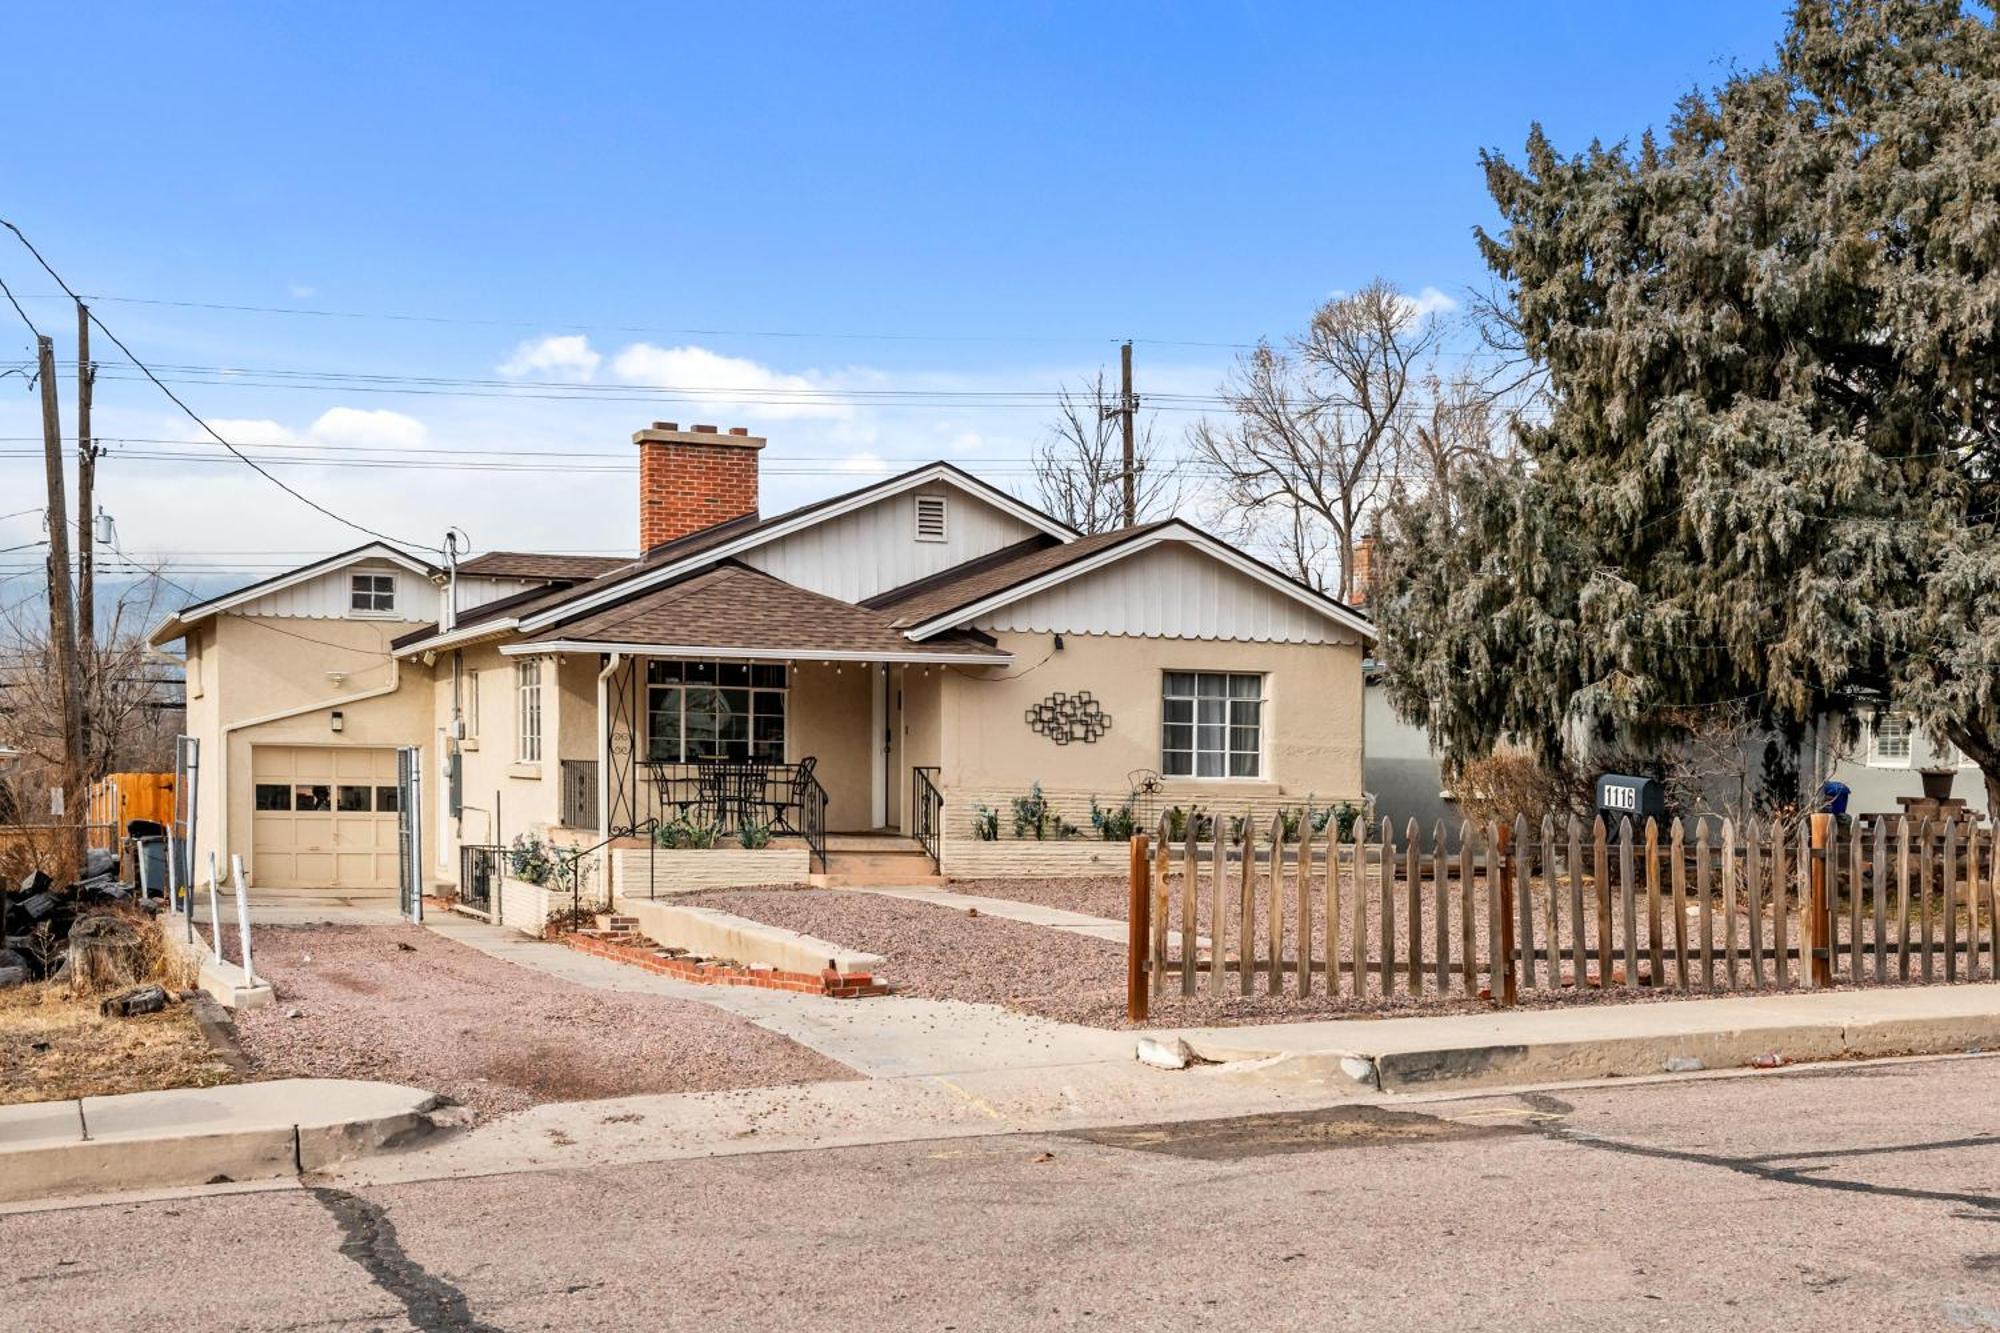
x=1528 y=1046
x=195 y=1136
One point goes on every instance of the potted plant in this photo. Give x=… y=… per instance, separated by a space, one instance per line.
x=1938 y=783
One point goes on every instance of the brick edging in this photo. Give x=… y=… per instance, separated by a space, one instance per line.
x=827 y=982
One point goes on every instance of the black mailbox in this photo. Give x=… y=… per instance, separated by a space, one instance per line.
x=1622 y=795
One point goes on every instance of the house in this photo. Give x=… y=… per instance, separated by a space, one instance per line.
x=902 y=662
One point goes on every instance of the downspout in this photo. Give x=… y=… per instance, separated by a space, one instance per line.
x=612 y=661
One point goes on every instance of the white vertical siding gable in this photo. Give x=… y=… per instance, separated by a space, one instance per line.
x=326 y=597
x=875 y=548
x=1171 y=590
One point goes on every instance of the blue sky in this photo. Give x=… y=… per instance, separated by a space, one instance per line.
x=997 y=192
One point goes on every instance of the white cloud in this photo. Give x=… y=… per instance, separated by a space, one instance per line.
x=1427 y=302
x=300 y=291
x=251 y=430
x=749 y=387
x=357 y=426
x=565 y=356
x=864 y=464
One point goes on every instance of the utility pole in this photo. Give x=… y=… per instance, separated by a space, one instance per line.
x=86 y=481
x=1128 y=408
x=62 y=614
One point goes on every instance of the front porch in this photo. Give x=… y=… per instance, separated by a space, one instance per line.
x=765 y=760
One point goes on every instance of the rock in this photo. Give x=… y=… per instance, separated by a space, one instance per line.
x=143 y=1000
x=1360 y=1068
x=293 y=1013
x=1685 y=1064
x=1164 y=1055
x=35 y=881
x=13 y=969
x=1768 y=1060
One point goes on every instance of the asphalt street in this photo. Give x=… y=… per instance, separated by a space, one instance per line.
x=1844 y=1196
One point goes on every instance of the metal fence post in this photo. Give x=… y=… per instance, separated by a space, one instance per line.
x=242 y=916
x=214 y=913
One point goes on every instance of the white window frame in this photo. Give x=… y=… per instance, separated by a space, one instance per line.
x=528 y=710
x=1228 y=698
x=364 y=601
x=942 y=507
x=468 y=706
x=1872 y=753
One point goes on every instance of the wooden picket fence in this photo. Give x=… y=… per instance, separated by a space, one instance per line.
x=1699 y=905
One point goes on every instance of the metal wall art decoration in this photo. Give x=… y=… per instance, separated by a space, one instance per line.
x=1064 y=718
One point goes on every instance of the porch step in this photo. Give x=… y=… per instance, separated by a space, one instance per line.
x=851 y=869
x=873 y=843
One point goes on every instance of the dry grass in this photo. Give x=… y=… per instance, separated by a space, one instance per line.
x=54 y=1045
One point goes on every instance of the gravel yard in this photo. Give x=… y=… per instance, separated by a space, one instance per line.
x=944 y=953
x=404 y=1005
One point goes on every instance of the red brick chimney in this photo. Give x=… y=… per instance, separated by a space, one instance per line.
x=693 y=479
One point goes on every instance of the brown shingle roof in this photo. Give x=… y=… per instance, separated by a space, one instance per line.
x=732 y=607
x=914 y=603
x=539 y=565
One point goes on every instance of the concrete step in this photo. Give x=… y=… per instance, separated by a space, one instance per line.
x=887 y=843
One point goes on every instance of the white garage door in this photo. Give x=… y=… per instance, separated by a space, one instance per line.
x=324 y=817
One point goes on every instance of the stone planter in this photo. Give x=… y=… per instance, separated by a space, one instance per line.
x=639 y=872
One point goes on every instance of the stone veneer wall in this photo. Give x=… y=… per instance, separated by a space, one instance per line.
x=967 y=857
x=685 y=871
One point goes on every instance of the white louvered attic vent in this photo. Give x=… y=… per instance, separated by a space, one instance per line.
x=930 y=518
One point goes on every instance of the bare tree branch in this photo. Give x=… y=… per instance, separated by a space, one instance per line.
x=1080 y=463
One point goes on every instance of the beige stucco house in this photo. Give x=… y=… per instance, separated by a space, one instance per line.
x=902 y=661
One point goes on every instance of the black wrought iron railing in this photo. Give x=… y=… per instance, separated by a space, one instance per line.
x=927 y=812
x=812 y=818
x=571 y=865
x=479 y=871
x=732 y=795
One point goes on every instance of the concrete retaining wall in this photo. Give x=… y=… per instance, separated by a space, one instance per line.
x=713 y=934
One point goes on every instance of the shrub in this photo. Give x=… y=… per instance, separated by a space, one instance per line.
x=531 y=860
x=754 y=836
x=686 y=833
x=985 y=823
x=1502 y=786
x=1115 y=825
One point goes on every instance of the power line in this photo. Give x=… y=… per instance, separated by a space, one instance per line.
x=690 y=332
x=194 y=416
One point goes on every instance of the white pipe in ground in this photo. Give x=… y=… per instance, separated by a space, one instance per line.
x=214 y=912
x=242 y=915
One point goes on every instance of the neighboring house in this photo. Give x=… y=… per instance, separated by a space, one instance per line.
x=895 y=660
x=1882 y=767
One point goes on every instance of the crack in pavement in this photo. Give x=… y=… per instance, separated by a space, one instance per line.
x=1771 y=1166
x=368 y=1237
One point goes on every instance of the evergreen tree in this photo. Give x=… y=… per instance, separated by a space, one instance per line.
x=1767 y=472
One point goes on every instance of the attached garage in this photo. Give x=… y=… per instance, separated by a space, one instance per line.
x=324 y=816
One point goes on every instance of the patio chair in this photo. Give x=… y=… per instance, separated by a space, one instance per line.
x=792 y=797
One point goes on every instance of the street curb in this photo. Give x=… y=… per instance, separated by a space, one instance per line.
x=1500 y=1064
x=149 y=1140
